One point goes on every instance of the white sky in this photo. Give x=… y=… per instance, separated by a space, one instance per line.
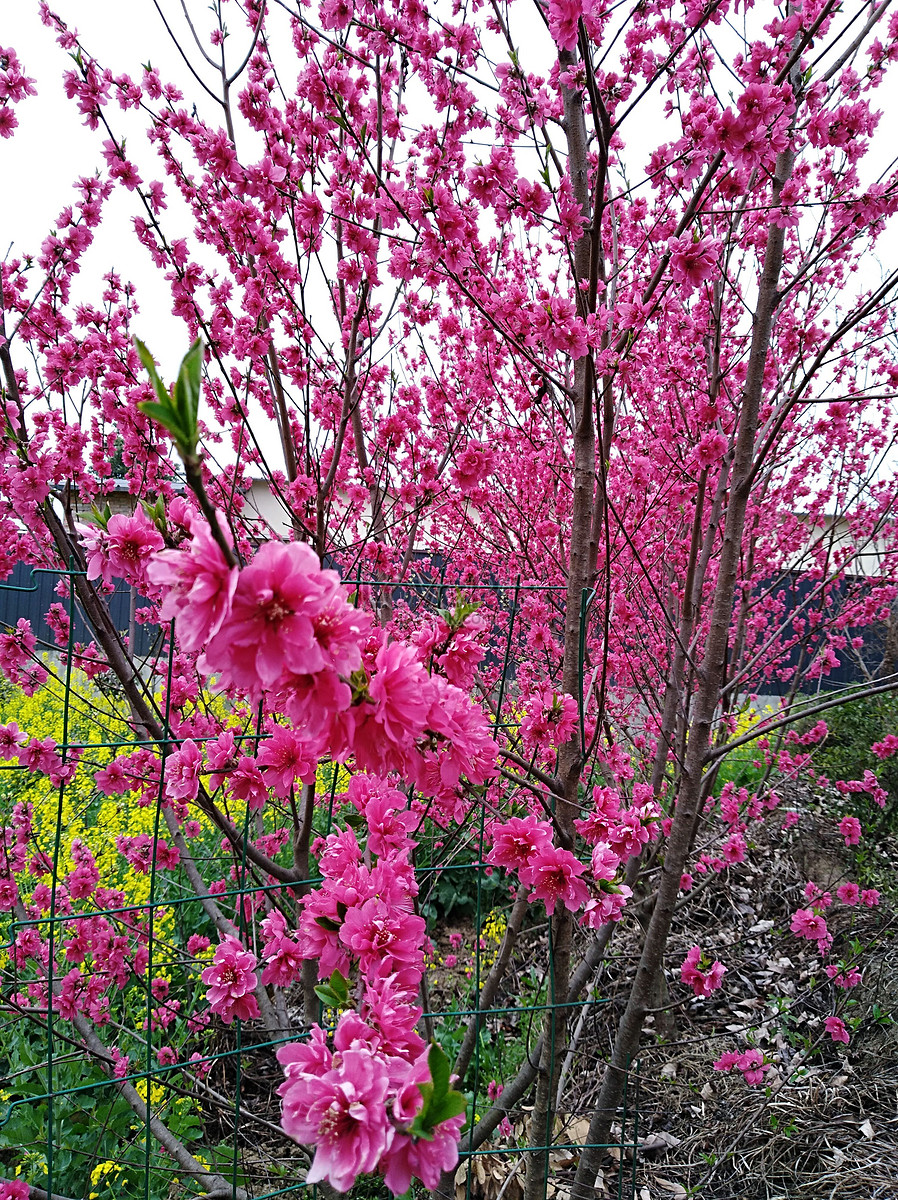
x=52 y=147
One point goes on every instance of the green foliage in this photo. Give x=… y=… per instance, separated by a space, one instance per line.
x=882 y=1016
x=845 y=754
x=92 y=1134
x=459 y=890
x=499 y=1052
x=456 y=617
x=781 y=1126
x=371 y=1187
x=744 y=766
x=441 y=1100
x=334 y=993
x=176 y=410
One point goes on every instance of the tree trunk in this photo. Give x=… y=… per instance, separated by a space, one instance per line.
x=570 y=758
x=711 y=677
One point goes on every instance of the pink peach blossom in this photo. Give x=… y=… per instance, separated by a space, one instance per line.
x=343 y=1114
x=808 y=924
x=702 y=982
x=693 y=261
x=287 y=616
x=518 y=840
x=197 y=585
x=123 y=549
x=231 y=980
x=837 y=1030
x=553 y=874
x=850 y=829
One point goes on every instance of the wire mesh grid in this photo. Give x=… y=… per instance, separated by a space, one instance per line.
x=83 y=1098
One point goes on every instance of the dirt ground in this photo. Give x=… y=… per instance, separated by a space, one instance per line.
x=823 y=1126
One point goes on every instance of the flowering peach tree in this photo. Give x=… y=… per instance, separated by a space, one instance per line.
x=625 y=397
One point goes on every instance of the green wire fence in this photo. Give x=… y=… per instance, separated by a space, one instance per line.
x=65 y=1126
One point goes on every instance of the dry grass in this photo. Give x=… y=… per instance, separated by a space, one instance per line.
x=825 y=1125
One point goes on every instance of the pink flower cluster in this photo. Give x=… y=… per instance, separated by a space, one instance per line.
x=625 y=831
x=198 y=586
x=357 y=1104
x=869 y=783
x=281 y=629
x=15 y=85
x=810 y=924
x=564 y=16
x=842 y=976
x=142 y=850
x=116 y=950
x=364 y=914
x=750 y=1062
x=454 y=649
x=526 y=845
x=13 y=1189
x=358 y=1101
x=122 y=549
x=11 y=738
x=472 y=466
x=281 y=952
x=281 y=624
x=850 y=829
x=700 y=974
x=421 y=725
x=549 y=721
x=81 y=882
x=17 y=660
x=41 y=755
x=231 y=980
x=691 y=263
x=837 y=1029
x=887 y=747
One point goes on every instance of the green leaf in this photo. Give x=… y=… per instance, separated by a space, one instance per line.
x=156 y=512
x=328 y=924
x=187 y=390
x=165 y=416
x=100 y=516
x=334 y=993
x=327 y=995
x=421 y=1127
x=439 y=1070
x=453 y=1104
x=176 y=411
x=340 y=985
x=441 y=1100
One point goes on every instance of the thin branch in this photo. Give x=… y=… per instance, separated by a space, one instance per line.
x=808 y=710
